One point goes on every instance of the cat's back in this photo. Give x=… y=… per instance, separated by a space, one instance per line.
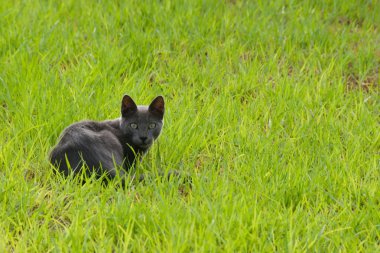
x=93 y=143
x=88 y=130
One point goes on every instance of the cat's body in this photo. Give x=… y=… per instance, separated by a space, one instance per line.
x=109 y=146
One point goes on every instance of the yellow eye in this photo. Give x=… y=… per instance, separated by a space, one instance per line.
x=133 y=125
x=152 y=125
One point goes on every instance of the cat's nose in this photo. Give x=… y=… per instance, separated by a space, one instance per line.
x=143 y=139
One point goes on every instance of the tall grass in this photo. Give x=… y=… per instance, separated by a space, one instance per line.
x=272 y=108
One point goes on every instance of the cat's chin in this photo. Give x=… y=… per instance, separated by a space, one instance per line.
x=144 y=146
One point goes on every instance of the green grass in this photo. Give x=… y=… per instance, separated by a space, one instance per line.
x=272 y=107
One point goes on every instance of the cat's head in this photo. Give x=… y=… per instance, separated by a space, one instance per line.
x=142 y=124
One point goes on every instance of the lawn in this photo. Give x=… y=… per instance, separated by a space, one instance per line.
x=272 y=107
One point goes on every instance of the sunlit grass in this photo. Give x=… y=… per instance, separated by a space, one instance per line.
x=272 y=108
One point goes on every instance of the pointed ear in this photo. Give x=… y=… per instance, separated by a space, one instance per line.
x=158 y=106
x=128 y=106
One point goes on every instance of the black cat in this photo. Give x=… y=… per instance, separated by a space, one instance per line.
x=110 y=146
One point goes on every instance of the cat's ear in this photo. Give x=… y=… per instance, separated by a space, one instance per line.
x=157 y=106
x=128 y=106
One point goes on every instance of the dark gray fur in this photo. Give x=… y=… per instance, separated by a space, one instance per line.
x=110 y=146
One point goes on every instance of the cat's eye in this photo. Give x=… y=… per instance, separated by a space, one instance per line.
x=133 y=125
x=152 y=125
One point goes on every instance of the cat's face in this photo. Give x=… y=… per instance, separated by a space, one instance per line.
x=142 y=124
